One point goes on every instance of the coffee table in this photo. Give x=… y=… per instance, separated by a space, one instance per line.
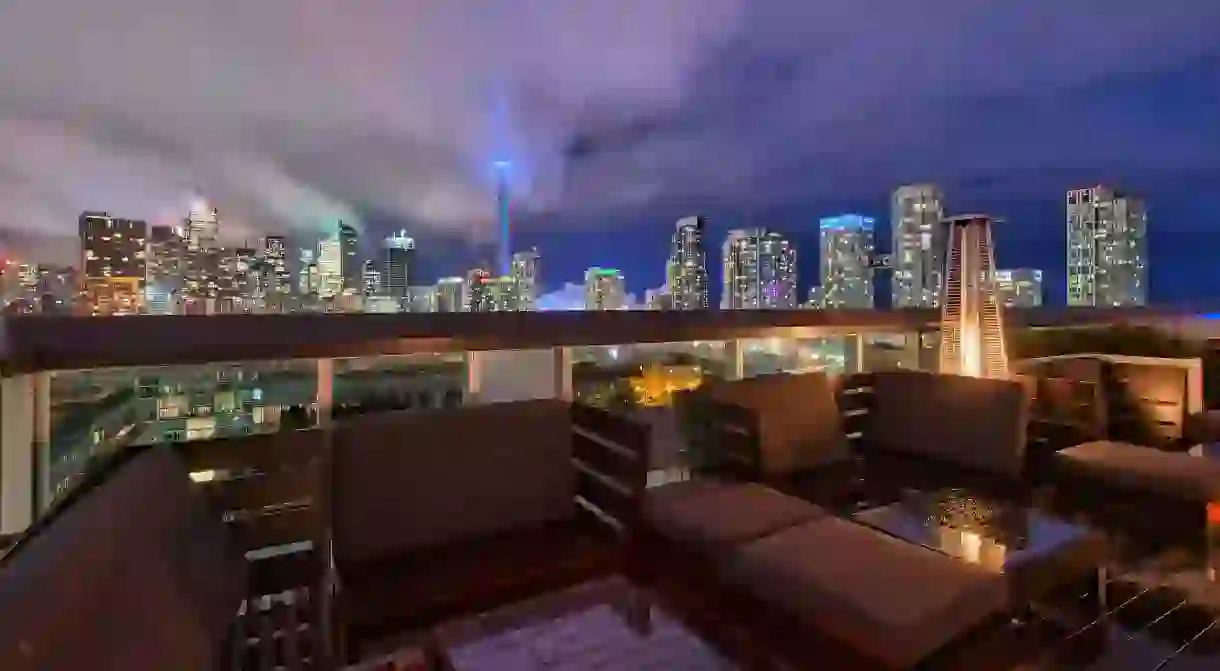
x=1036 y=550
x=605 y=624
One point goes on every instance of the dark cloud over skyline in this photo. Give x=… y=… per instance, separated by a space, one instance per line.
x=617 y=115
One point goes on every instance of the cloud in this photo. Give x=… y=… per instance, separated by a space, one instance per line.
x=571 y=296
x=291 y=115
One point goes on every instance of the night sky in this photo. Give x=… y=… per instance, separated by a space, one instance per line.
x=619 y=118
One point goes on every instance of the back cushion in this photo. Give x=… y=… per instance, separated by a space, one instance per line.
x=137 y=573
x=411 y=480
x=798 y=419
x=974 y=422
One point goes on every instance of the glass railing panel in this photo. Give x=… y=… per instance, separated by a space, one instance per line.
x=891 y=351
x=833 y=355
x=645 y=375
x=95 y=412
x=642 y=380
x=419 y=381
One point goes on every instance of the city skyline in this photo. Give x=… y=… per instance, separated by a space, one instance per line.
x=746 y=113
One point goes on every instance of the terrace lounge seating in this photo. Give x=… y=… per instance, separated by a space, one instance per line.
x=138 y=573
x=439 y=512
x=974 y=423
x=778 y=424
x=1174 y=474
x=895 y=601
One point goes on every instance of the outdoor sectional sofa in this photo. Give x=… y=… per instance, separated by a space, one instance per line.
x=847 y=580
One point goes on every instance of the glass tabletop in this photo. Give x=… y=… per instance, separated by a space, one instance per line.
x=609 y=624
x=994 y=534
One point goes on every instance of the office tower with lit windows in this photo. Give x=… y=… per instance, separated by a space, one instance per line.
x=274 y=255
x=113 y=264
x=687 y=266
x=450 y=294
x=396 y=264
x=305 y=274
x=201 y=269
x=847 y=247
x=478 y=295
x=525 y=266
x=759 y=271
x=166 y=256
x=421 y=299
x=349 y=263
x=1019 y=287
x=605 y=289
x=330 y=266
x=1107 y=248
x=918 y=251
x=370 y=278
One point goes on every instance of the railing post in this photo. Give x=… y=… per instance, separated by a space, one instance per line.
x=324 y=386
x=472 y=384
x=563 y=373
x=853 y=353
x=734 y=360
x=18 y=459
x=42 y=442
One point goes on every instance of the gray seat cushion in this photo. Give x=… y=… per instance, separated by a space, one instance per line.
x=896 y=601
x=710 y=518
x=1175 y=474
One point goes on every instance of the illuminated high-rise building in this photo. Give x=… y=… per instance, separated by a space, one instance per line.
x=918 y=257
x=1107 y=249
x=330 y=266
x=349 y=263
x=847 y=262
x=687 y=266
x=274 y=254
x=166 y=256
x=971 y=325
x=605 y=289
x=397 y=259
x=450 y=294
x=525 y=274
x=478 y=294
x=201 y=267
x=370 y=278
x=759 y=271
x=1019 y=287
x=113 y=264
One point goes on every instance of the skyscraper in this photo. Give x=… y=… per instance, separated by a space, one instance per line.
x=759 y=271
x=605 y=289
x=274 y=254
x=478 y=295
x=449 y=294
x=397 y=257
x=847 y=262
x=113 y=263
x=370 y=279
x=330 y=266
x=971 y=327
x=1107 y=248
x=525 y=275
x=349 y=263
x=201 y=270
x=687 y=267
x=166 y=255
x=918 y=245
x=1019 y=287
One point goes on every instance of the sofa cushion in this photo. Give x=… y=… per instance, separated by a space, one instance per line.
x=796 y=416
x=973 y=422
x=1175 y=474
x=413 y=480
x=711 y=518
x=894 y=600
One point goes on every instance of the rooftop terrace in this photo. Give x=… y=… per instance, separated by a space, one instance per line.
x=365 y=485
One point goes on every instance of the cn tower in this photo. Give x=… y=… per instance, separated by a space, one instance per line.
x=504 y=248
